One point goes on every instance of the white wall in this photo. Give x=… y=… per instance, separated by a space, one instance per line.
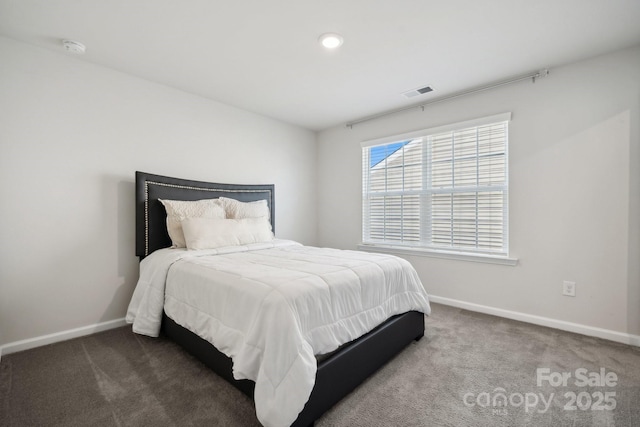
x=72 y=134
x=574 y=194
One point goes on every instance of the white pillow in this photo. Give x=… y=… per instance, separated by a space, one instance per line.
x=178 y=210
x=238 y=210
x=211 y=233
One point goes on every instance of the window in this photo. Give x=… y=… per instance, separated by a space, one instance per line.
x=443 y=189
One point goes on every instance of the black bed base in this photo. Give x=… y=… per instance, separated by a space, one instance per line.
x=337 y=375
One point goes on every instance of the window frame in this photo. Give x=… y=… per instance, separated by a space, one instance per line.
x=470 y=254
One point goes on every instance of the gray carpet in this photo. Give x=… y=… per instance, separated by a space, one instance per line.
x=449 y=378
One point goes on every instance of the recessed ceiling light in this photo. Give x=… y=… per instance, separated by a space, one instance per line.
x=331 y=40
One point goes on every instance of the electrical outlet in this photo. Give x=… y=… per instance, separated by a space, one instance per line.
x=569 y=288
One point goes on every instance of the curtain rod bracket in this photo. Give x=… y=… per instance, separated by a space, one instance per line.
x=541 y=73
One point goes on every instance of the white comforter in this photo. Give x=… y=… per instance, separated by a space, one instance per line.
x=272 y=306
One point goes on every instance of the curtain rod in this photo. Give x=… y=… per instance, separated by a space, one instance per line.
x=533 y=76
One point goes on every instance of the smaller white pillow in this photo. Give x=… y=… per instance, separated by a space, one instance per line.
x=236 y=209
x=178 y=210
x=211 y=233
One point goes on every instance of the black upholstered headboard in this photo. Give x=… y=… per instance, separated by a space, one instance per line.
x=151 y=225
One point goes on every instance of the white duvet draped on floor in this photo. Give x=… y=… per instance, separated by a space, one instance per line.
x=272 y=306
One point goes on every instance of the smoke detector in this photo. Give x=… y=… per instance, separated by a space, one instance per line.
x=74 y=47
x=419 y=91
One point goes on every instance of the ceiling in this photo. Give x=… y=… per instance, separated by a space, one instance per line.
x=264 y=56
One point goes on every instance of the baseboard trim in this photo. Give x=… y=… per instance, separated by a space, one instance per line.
x=591 y=331
x=30 y=343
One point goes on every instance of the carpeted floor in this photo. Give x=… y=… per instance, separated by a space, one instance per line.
x=455 y=376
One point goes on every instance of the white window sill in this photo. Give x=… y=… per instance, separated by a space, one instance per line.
x=466 y=256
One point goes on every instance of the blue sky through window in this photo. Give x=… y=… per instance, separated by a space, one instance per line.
x=381 y=152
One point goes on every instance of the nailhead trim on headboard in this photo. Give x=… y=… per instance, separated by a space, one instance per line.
x=186 y=187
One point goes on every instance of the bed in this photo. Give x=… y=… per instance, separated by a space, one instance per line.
x=338 y=372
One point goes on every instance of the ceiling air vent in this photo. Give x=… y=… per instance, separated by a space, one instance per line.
x=419 y=91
